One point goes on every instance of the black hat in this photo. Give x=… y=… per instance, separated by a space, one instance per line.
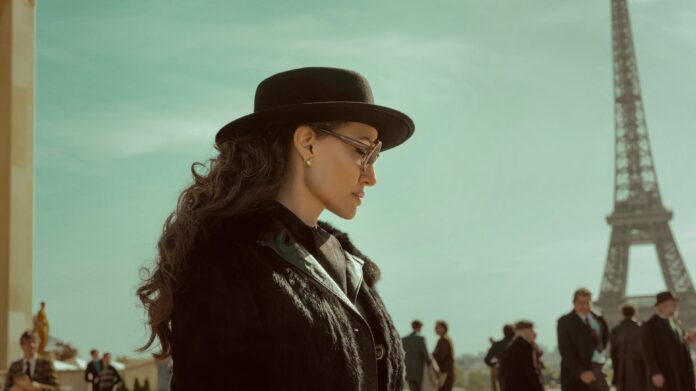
x=664 y=296
x=320 y=94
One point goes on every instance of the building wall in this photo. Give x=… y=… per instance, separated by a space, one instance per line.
x=72 y=380
x=142 y=370
x=16 y=172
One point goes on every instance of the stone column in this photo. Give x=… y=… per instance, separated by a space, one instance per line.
x=16 y=172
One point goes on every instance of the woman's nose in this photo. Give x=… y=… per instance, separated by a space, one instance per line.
x=368 y=176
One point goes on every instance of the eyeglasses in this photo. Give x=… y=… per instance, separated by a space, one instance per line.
x=369 y=153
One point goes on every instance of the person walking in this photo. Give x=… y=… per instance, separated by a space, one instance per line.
x=495 y=353
x=92 y=370
x=582 y=338
x=417 y=356
x=665 y=348
x=444 y=354
x=108 y=378
x=31 y=373
x=626 y=353
x=520 y=367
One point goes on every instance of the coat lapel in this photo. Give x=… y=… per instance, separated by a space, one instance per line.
x=279 y=240
x=354 y=275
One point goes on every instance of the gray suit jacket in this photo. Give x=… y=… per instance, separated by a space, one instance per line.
x=416 y=356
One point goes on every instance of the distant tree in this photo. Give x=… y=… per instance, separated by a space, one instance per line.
x=136 y=385
x=551 y=375
x=459 y=377
x=146 y=385
x=478 y=381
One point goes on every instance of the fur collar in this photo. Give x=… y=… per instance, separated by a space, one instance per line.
x=249 y=228
x=371 y=271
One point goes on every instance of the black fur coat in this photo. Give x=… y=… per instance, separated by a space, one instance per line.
x=253 y=312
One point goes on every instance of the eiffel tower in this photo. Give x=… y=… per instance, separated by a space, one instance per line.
x=639 y=217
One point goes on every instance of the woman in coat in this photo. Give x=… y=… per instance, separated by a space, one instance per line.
x=444 y=355
x=250 y=291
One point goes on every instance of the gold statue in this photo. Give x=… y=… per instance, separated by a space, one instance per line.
x=41 y=326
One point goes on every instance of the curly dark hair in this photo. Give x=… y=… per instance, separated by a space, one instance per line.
x=244 y=177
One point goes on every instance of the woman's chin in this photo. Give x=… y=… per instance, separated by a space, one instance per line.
x=345 y=212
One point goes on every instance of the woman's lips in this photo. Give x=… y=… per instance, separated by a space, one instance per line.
x=358 y=197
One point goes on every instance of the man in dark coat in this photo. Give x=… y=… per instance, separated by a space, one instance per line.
x=285 y=322
x=665 y=349
x=416 y=356
x=495 y=353
x=520 y=368
x=93 y=369
x=31 y=372
x=444 y=354
x=582 y=338
x=626 y=353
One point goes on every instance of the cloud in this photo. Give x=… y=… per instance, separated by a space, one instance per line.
x=124 y=133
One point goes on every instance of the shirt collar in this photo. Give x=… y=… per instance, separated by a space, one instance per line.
x=297 y=228
x=32 y=363
x=662 y=316
x=583 y=317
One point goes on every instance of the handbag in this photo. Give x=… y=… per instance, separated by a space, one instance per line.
x=433 y=378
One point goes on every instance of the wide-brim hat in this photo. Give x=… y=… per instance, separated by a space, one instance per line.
x=318 y=94
x=664 y=296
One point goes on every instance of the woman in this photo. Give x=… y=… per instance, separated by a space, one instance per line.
x=250 y=291
x=444 y=355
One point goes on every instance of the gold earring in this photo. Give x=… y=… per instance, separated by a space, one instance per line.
x=308 y=162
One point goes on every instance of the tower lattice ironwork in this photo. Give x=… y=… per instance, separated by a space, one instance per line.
x=639 y=217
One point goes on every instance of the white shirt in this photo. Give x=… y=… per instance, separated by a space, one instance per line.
x=32 y=366
x=597 y=357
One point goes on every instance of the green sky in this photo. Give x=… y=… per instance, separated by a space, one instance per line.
x=493 y=211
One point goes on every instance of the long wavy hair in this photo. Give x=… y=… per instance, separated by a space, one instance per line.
x=245 y=176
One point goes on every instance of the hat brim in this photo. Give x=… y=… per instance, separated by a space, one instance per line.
x=658 y=302
x=393 y=126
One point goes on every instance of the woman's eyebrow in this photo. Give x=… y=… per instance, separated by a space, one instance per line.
x=368 y=139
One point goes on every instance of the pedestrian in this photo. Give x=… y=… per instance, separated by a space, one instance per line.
x=108 y=378
x=626 y=352
x=520 y=367
x=495 y=353
x=444 y=354
x=665 y=348
x=93 y=369
x=582 y=339
x=416 y=356
x=31 y=373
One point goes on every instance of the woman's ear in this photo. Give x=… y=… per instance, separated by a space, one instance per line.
x=303 y=140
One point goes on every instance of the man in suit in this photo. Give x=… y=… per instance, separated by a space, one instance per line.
x=444 y=354
x=495 y=353
x=582 y=338
x=416 y=356
x=520 y=367
x=665 y=348
x=626 y=354
x=93 y=369
x=31 y=373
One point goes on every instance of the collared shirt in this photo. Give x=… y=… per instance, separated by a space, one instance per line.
x=674 y=325
x=32 y=366
x=598 y=356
